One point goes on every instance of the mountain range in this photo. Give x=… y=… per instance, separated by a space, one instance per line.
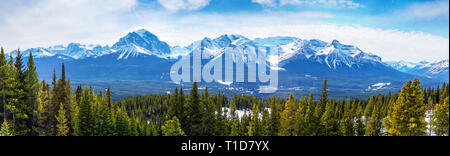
x=434 y=70
x=141 y=56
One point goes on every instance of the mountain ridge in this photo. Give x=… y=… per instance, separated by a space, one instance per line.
x=141 y=56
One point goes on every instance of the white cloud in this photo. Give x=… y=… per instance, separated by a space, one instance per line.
x=271 y=3
x=328 y=3
x=26 y=23
x=430 y=10
x=176 y=5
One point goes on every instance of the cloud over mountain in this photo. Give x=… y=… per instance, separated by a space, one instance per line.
x=176 y=5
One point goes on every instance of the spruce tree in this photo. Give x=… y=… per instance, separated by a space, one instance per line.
x=265 y=123
x=300 y=117
x=407 y=117
x=85 y=114
x=122 y=122
x=32 y=92
x=360 y=127
x=312 y=122
x=4 y=76
x=347 y=125
x=43 y=110
x=374 y=126
x=172 y=128
x=24 y=111
x=440 y=120
x=192 y=112
x=321 y=106
x=254 y=128
x=274 y=117
x=234 y=118
x=14 y=104
x=328 y=123
x=63 y=126
x=207 y=114
x=287 y=122
x=6 y=129
x=221 y=122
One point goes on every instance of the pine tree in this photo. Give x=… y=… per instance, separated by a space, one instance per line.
x=134 y=124
x=374 y=126
x=347 y=125
x=63 y=127
x=14 y=104
x=174 y=104
x=274 y=117
x=172 y=128
x=265 y=123
x=6 y=129
x=287 y=122
x=321 y=106
x=234 y=118
x=254 y=128
x=312 y=122
x=221 y=122
x=407 y=117
x=32 y=93
x=192 y=112
x=328 y=123
x=301 y=118
x=235 y=127
x=4 y=82
x=43 y=110
x=85 y=120
x=23 y=116
x=440 y=119
x=369 y=108
x=207 y=110
x=360 y=127
x=122 y=122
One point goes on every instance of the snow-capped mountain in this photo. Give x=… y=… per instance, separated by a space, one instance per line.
x=73 y=51
x=436 y=67
x=437 y=70
x=141 y=42
x=332 y=54
x=404 y=66
x=141 y=55
x=215 y=47
x=144 y=43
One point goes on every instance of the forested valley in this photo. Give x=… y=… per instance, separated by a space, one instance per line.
x=33 y=108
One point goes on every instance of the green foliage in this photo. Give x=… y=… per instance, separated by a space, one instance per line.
x=33 y=108
x=374 y=127
x=172 y=128
x=440 y=119
x=85 y=121
x=6 y=129
x=407 y=117
x=192 y=111
x=274 y=116
x=360 y=127
x=254 y=128
x=347 y=124
x=63 y=128
x=288 y=118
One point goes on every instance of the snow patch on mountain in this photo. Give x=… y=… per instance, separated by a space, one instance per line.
x=437 y=67
x=224 y=83
x=379 y=86
x=404 y=66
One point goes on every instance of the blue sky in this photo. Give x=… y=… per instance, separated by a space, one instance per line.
x=411 y=30
x=386 y=14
